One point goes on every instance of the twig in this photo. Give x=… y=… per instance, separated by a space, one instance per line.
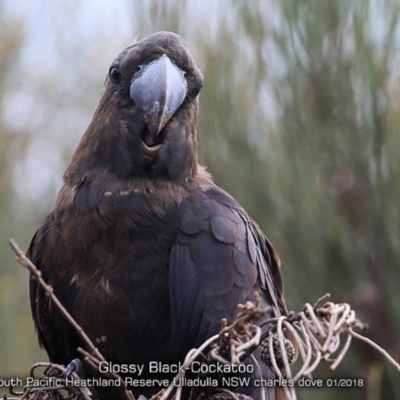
x=377 y=347
x=341 y=354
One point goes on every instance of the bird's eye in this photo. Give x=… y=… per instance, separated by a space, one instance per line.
x=139 y=69
x=115 y=74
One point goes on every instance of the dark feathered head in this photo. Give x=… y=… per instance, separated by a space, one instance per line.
x=146 y=122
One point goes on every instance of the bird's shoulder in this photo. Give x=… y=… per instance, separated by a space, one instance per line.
x=209 y=208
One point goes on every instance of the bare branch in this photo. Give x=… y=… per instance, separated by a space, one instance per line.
x=377 y=347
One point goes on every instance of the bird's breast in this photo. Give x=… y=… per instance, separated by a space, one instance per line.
x=117 y=245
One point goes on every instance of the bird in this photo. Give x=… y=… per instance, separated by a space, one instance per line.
x=142 y=248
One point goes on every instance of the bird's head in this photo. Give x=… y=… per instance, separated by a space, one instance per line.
x=147 y=118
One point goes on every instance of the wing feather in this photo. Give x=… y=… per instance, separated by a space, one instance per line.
x=219 y=259
x=54 y=333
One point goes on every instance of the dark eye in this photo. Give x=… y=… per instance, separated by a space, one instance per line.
x=139 y=69
x=115 y=74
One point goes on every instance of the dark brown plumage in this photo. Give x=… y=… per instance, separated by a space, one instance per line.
x=142 y=248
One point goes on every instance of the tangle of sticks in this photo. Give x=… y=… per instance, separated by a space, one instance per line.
x=322 y=332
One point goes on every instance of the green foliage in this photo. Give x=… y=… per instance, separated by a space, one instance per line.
x=299 y=121
x=337 y=137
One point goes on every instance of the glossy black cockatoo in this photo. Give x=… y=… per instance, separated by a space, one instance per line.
x=142 y=248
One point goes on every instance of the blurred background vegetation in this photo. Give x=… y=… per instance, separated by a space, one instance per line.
x=299 y=121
